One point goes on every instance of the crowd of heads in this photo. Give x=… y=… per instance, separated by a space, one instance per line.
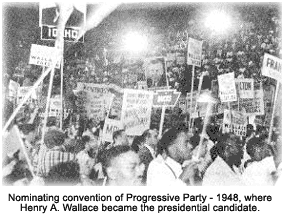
x=76 y=155
x=87 y=161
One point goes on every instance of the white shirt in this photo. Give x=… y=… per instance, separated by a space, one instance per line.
x=219 y=173
x=164 y=172
x=258 y=173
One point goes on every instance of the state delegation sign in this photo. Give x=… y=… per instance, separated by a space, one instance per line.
x=50 y=15
x=167 y=98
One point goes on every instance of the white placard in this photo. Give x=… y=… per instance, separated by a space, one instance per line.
x=136 y=111
x=245 y=88
x=235 y=122
x=227 y=88
x=272 y=67
x=44 y=56
x=194 y=54
x=110 y=126
x=99 y=98
x=22 y=91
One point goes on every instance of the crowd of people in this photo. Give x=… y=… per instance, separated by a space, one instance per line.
x=76 y=155
x=240 y=51
x=179 y=157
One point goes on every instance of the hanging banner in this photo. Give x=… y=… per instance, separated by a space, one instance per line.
x=136 y=111
x=254 y=106
x=99 y=98
x=227 y=87
x=245 y=88
x=110 y=126
x=194 y=53
x=49 y=18
x=272 y=67
x=43 y=56
x=235 y=122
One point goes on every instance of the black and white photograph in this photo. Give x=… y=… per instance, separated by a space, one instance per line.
x=155 y=94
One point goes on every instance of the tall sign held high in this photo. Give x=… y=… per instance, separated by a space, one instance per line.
x=272 y=67
x=194 y=53
x=49 y=18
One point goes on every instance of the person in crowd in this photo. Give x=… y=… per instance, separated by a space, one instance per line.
x=86 y=164
x=277 y=153
x=53 y=152
x=250 y=132
x=137 y=143
x=202 y=152
x=92 y=129
x=29 y=135
x=64 y=174
x=224 y=169
x=16 y=171
x=259 y=170
x=248 y=140
x=166 y=169
x=52 y=123
x=122 y=167
x=88 y=156
x=147 y=151
x=120 y=138
x=31 y=141
x=97 y=172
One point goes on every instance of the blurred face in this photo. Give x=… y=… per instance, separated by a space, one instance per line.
x=122 y=139
x=153 y=139
x=235 y=154
x=31 y=137
x=128 y=169
x=182 y=148
x=86 y=164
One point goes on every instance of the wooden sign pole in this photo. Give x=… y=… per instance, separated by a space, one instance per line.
x=191 y=97
x=47 y=104
x=161 y=121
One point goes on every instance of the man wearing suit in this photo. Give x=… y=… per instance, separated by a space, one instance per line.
x=147 y=151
